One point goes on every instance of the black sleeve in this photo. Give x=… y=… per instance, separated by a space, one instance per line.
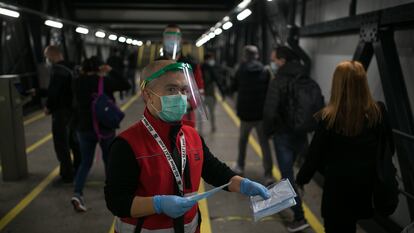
x=116 y=82
x=122 y=177
x=54 y=90
x=386 y=125
x=214 y=171
x=271 y=106
x=314 y=157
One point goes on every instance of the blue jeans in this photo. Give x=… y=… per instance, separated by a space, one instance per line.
x=288 y=146
x=87 y=144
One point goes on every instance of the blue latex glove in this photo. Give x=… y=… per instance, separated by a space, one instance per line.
x=251 y=188
x=173 y=206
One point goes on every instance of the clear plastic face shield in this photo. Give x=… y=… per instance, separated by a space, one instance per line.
x=172 y=44
x=177 y=79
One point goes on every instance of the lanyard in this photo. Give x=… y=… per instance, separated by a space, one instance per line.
x=173 y=166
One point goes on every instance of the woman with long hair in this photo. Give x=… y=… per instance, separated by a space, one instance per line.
x=344 y=149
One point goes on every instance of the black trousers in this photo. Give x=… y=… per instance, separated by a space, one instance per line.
x=339 y=225
x=61 y=135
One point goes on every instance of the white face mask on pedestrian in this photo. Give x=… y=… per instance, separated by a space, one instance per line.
x=211 y=62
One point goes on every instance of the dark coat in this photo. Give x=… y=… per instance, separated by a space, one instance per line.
x=85 y=87
x=348 y=165
x=59 y=93
x=277 y=98
x=251 y=84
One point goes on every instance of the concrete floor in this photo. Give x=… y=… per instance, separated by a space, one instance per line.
x=51 y=211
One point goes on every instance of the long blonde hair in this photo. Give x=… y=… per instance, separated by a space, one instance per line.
x=351 y=103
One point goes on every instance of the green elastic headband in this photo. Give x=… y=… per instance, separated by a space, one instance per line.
x=172 y=33
x=170 y=67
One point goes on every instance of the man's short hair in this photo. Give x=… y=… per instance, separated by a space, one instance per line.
x=53 y=50
x=150 y=69
x=250 y=52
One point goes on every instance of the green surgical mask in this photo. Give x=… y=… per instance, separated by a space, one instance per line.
x=173 y=107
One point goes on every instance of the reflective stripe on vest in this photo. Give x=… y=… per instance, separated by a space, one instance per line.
x=123 y=227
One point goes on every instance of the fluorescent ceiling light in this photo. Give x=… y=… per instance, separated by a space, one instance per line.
x=122 y=39
x=226 y=18
x=82 y=30
x=202 y=41
x=112 y=37
x=227 y=25
x=243 y=4
x=218 y=25
x=244 y=14
x=148 y=43
x=100 y=34
x=140 y=43
x=10 y=13
x=54 y=24
x=211 y=35
x=136 y=43
x=218 y=31
x=129 y=41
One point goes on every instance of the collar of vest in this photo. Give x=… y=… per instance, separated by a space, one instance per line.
x=163 y=128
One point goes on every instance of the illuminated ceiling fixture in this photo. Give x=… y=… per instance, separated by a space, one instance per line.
x=203 y=40
x=122 y=39
x=244 y=14
x=82 y=30
x=226 y=18
x=218 y=31
x=227 y=25
x=140 y=43
x=54 y=24
x=243 y=4
x=211 y=35
x=129 y=41
x=148 y=43
x=218 y=25
x=112 y=37
x=100 y=34
x=9 y=13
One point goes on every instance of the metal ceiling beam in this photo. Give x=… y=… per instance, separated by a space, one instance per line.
x=160 y=21
x=397 y=16
x=143 y=6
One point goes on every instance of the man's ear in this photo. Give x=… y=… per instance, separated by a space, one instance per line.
x=145 y=96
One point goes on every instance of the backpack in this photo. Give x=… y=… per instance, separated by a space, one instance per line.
x=104 y=112
x=304 y=100
x=385 y=192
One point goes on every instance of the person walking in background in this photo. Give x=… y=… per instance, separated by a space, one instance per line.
x=251 y=85
x=287 y=142
x=117 y=63
x=210 y=75
x=59 y=105
x=86 y=86
x=345 y=149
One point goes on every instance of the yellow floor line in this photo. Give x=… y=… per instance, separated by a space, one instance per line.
x=4 y=221
x=205 y=216
x=34 y=118
x=310 y=217
x=112 y=229
x=27 y=199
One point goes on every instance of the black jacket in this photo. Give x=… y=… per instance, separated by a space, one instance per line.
x=59 y=93
x=85 y=87
x=277 y=98
x=348 y=165
x=251 y=84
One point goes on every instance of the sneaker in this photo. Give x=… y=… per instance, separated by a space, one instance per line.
x=297 y=225
x=268 y=180
x=78 y=204
x=238 y=170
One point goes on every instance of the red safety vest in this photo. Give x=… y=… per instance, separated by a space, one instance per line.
x=156 y=177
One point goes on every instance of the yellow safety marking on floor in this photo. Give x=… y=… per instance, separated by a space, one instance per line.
x=112 y=229
x=38 y=143
x=205 y=216
x=34 y=118
x=45 y=182
x=310 y=217
x=27 y=199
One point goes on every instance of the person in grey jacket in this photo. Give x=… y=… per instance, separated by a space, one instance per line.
x=251 y=85
x=288 y=144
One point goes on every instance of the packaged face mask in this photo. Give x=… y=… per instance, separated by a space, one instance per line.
x=282 y=196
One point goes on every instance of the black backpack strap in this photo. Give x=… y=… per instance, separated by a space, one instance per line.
x=139 y=225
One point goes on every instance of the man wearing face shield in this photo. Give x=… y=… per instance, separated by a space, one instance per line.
x=172 y=45
x=158 y=161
